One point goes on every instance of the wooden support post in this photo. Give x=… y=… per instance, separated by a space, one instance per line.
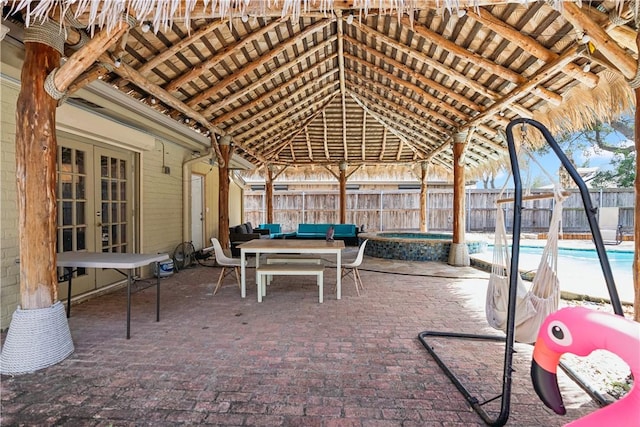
x=459 y=253
x=223 y=192
x=36 y=151
x=343 y=191
x=423 y=196
x=39 y=334
x=268 y=189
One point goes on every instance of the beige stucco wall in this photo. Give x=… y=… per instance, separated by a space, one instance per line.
x=9 y=271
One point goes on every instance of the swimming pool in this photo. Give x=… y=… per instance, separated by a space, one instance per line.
x=580 y=272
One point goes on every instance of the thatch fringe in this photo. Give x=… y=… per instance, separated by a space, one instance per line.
x=582 y=107
x=162 y=13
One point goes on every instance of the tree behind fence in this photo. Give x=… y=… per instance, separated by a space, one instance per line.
x=400 y=209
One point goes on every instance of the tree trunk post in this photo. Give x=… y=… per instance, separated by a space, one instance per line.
x=424 y=166
x=459 y=252
x=39 y=333
x=268 y=189
x=223 y=193
x=343 y=191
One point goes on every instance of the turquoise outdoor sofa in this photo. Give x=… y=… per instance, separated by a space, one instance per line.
x=346 y=232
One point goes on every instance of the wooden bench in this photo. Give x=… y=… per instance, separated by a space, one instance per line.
x=268 y=270
x=291 y=259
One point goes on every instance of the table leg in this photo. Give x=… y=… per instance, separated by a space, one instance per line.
x=339 y=275
x=158 y=293
x=69 y=271
x=243 y=274
x=128 y=303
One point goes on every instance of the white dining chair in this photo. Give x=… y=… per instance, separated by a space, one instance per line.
x=228 y=264
x=352 y=268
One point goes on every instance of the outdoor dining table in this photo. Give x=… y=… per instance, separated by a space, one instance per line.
x=291 y=246
x=116 y=261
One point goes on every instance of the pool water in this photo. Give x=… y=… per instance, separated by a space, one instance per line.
x=580 y=272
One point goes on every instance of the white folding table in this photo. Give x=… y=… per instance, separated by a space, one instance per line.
x=291 y=246
x=116 y=261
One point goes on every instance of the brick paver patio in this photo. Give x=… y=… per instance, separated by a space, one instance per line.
x=288 y=361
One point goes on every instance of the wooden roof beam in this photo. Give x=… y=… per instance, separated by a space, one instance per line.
x=179 y=46
x=426 y=59
x=444 y=91
x=405 y=115
x=279 y=145
x=82 y=59
x=199 y=69
x=530 y=45
x=324 y=138
x=383 y=147
x=627 y=65
x=453 y=48
x=419 y=119
x=543 y=74
x=127 y=72
x=395 y=95
x=308 y=74
x=309 y=150
x=343 y=94
x=218 y=105
x=283 y=119
x=393 y=123
x=253 y=65
x=363 y=144
x=301 y=92
x=417 y=89
x=275 y=119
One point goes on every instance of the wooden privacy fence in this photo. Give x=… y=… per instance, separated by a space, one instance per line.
x=400 y=209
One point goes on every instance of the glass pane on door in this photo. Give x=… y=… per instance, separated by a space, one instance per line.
x=114 y=203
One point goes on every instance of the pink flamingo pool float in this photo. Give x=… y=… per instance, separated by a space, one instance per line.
x=579 y=331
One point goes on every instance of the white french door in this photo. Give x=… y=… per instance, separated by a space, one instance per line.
x=95 y=206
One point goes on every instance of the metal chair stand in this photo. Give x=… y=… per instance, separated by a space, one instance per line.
x=509 y=340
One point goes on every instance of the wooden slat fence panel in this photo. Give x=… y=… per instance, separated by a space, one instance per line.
x=400 y=209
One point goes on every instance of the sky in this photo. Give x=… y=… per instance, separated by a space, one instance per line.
x=551 y=163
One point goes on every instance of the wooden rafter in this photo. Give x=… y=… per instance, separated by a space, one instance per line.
x=197 y=70
x=476 y=59
x=168 y=53
x=251 y=66
x=603 y=42
x=218 y=105
x=314 y=85
x=324 y=138
x=343 y=91
x=530 y=45
x=383 y=146
x=363 y=144
x=309 y=149
x=416 y=89
x=287 y=114
x=307 y=75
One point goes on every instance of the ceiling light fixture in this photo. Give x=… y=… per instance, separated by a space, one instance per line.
x=146 y=27
x=587 y=67
x=350 y=18
x=461 y=12
x=585 y=38
x=244 y=17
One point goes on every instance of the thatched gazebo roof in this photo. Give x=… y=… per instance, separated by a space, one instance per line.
x=318 y=82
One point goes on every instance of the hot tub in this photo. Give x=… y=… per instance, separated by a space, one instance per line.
x=415 y=246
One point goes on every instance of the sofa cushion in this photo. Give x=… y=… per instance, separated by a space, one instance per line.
x=249 y=227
